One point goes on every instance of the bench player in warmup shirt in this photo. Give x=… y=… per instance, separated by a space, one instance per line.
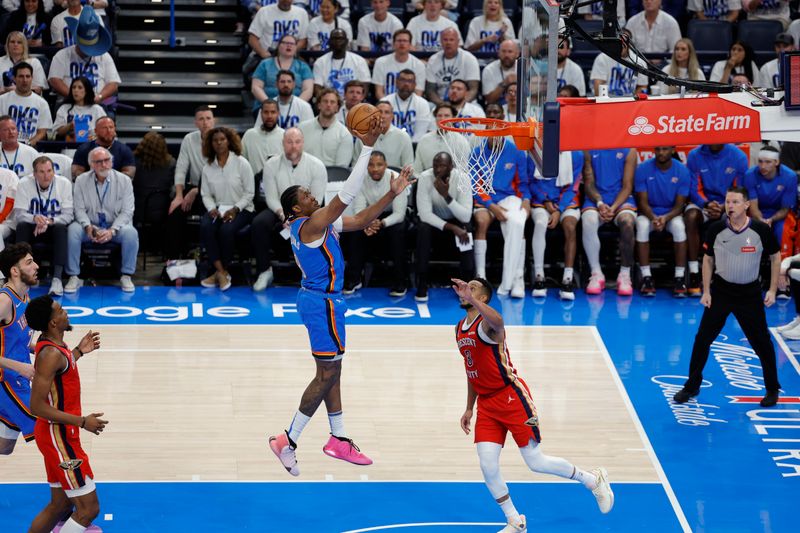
x=505 y=404
x=315 y=243
x=56 y=400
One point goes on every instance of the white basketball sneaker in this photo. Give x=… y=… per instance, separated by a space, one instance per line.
x=516 y=526
x=603 y=492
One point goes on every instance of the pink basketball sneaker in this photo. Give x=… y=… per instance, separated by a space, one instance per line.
x=284 y=449
x=344 y=449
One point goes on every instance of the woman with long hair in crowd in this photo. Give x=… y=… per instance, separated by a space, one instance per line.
x=741 y=60
x=155 y=175
x=227 y=192
x=16 y=51
x=79 y=103
x=487 y=31
x=683 y=65
x=31 y=19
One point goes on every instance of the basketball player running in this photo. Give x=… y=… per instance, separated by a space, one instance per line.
x=505 y=404
x=56 y=400
x=16 y=370
x=315 y=243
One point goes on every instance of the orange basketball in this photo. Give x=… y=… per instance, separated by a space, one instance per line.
x=359 y=117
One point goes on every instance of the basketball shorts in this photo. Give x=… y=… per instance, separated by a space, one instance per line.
x=323 y=316
x=509 y=409
x=65 y=462
x=15 y=412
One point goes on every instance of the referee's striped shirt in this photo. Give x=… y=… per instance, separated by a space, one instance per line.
x=737 y=254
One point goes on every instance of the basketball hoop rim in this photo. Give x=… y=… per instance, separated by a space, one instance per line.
x=524 y=133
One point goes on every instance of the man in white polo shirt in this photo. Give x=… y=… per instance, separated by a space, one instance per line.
x=394 y=143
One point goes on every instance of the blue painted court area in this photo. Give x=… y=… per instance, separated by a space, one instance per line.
x=338 y=507
x=733 y=466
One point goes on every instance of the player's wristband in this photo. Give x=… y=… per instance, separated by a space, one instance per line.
x=80 y=353
x=83 y=422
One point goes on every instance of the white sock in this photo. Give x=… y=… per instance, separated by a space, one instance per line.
x=568 y=273
x=336 y=421
x=680 y=272
x=591 y=241
x=625 y=270
x=645 y=270
x=480 y=258
x=588 y=479
x=509 y=510
x=539 y=272
x=298 y=423
x=71 y=526
x=694 y=267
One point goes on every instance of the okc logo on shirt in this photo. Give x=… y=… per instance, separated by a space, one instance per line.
x=391 y=77
x=339 y=77
x=90 y=70
x=288 y=122
x=26 y=118
x=490 y=46
x=715 y=8
x=381 y=41
x=622 y=82
x=44 y=207
x=283 y=27
x=17 y=169
x=674 y=179
x=405 y=120
x=729 y=170
x=323 y=37
x=430 y=39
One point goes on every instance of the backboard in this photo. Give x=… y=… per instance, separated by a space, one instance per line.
x=537 y=86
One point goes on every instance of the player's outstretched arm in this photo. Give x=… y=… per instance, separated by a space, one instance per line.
x=492 y=319
x=89 y=343
x=315 y=226
x=363 y=218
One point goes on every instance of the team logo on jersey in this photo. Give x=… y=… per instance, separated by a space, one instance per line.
x=780 y=187
x=674 y=179
x=533 y=421
x=509 y=166
x=729 y=170
x=72 y=464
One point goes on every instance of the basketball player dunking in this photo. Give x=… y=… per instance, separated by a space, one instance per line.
x=315 y=243
x=505 y=404
x=56 y=400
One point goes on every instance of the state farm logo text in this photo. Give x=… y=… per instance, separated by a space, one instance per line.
x=690 y=124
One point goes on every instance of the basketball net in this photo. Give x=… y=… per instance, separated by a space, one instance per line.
x=475 y=157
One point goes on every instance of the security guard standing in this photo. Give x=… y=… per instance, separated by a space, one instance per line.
x=733 y=251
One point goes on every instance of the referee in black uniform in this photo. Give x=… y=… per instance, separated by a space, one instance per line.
x=733 y=251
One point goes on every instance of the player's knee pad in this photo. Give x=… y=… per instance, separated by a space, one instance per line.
x=677 y=229
x=540 y=217
x=642 y=229
x=489 y=458
x=590 y=219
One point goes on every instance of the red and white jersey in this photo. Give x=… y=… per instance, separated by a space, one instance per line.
x=487 y=363
x=65 y=391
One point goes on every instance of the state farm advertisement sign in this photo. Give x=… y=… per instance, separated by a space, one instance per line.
x=586 y=125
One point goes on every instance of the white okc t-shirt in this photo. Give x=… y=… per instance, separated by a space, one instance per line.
x=377 y=35
x=426 y=34
x=387 y=68
x=30 y=113
x=68 y=64
x=335 y=73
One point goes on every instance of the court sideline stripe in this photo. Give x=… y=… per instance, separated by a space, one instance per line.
x=785 y=347
x=673 y=499
x=424 y=524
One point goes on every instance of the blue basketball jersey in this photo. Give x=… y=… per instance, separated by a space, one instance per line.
x=608 y=166
x=15 y=337
x=662 y=186
x=323 y=266
x=774 y=194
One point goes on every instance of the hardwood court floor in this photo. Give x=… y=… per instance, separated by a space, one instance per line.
x=198 y=402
